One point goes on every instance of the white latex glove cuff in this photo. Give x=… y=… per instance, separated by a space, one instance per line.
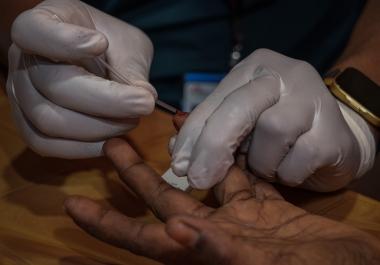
x=365 y=137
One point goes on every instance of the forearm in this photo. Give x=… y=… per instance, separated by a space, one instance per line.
x=9 y=10
x=362 y=51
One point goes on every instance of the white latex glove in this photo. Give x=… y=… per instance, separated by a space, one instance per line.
x=296 y=133
x=61 y=99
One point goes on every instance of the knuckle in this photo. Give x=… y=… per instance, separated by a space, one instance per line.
x=262 y=52
x=305 y=68
x=305 y=65
x=20 y=21
x=143 y=39
x=161 y=189
x=261 y=55
x=129 y=171
x=147 y=104
x=26 y=20
x=256 y=55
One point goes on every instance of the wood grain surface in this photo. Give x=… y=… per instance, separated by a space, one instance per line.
x=35 y=230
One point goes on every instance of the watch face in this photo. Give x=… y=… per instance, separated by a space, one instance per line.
x=361 y=88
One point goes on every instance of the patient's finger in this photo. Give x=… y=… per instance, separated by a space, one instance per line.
x=164 y=200
x=179 y=119
x=266 y=191
x=112 y=227
x=235 y=186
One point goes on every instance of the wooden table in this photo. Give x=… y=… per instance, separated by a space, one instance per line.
x=35 y=230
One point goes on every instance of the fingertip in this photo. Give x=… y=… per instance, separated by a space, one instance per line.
x=85 y=212
x=182 y=151
x=96 y=44
x=69 y=203
x=110 y=146
x=74 y=205
x=180 y=167
x=204 y=177
x=179 y=119
x=171 y=144
x=146 y=86
x=134 y=100
x=200 y=183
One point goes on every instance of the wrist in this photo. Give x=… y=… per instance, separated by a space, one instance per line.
x=366 y=61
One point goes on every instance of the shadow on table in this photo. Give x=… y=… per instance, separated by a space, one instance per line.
x=78 y=260
x=18 y=249
x=50 y=175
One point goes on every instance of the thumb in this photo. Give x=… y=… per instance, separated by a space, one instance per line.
x=41 y=32
x=210 y=244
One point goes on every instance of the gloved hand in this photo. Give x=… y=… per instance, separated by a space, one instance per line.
x=61 y=99
x=293 y=129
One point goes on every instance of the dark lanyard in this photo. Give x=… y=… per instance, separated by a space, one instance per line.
x=235 y=7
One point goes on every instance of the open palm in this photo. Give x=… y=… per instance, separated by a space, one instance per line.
x=253 y=225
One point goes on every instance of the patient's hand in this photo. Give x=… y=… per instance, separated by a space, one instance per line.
x=253 y=225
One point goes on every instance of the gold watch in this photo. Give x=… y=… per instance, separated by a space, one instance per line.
x=357 y=91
